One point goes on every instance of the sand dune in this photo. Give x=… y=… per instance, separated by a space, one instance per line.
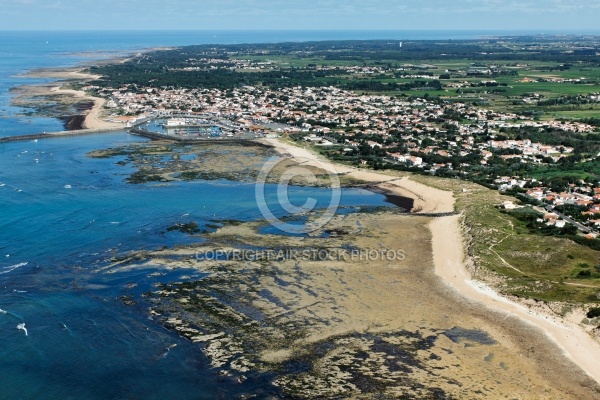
x=448 y=253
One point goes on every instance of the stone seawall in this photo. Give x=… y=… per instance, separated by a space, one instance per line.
x=22 y=138
x=158 y=136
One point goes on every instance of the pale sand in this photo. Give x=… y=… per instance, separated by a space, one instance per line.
x=426 y=199
x=93 y=119
x=448 y=253
x=348 y=305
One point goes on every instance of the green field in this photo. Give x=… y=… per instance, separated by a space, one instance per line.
x=512 y=91
x=531 y=266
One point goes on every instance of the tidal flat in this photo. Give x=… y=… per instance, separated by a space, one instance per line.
x=169 y=162
x=333 y=315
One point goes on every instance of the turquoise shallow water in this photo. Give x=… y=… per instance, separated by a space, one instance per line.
x=59 y=205
x=62 y=216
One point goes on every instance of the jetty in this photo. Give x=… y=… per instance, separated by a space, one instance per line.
x=181 y=128
x=194 y=140
x=47 y=135
x=134 y=131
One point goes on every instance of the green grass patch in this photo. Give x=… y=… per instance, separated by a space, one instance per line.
x=531 y=266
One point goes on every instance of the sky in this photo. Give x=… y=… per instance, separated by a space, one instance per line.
x=543 y=15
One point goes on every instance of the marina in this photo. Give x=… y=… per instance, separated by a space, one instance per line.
x=193 y=128
x=180 y=128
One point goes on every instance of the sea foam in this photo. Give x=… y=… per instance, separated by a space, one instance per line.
x=22 y=327
x=6 y=270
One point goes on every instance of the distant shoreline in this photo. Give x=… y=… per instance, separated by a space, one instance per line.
x=92 y=118
x=448 y=249
x=89 y=120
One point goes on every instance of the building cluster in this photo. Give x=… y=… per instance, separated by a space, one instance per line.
x=583 y=195
x=421 y=126
x=526 y=150
x=238 y=64
x=577 y=203
x=556 y=80
x=221 y=63
x=403 y=130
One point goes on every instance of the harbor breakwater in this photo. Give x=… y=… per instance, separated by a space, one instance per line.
x=22 y=138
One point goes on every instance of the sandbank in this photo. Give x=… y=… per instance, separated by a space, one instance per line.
x=448 y=253
x=449 y=260
x=427 y=200
x=93 y=117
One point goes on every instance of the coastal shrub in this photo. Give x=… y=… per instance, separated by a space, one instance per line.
x=593 y=312
x=584 y=274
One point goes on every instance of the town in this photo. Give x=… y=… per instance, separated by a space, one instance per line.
x=359 y=121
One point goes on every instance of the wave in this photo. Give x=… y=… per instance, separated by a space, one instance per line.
x=22 y=327
x=167 y=350
x=6 y=270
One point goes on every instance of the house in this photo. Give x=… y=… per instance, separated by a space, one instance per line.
x=312 y=138
x=550 y=216
x=415 y=161
x=398 y=157
x=509 y=205
x=536 y=193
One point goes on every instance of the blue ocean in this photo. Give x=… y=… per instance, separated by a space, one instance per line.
x=64 y=333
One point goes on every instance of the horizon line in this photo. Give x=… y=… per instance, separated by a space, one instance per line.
x=569 y=30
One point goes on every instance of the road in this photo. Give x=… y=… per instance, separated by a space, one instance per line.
x=581 y=227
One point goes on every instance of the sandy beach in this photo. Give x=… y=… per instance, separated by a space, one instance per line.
x=416 y=325
x=427 y=199
x=94 y=119
x=449 y=252
x=405 y=321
